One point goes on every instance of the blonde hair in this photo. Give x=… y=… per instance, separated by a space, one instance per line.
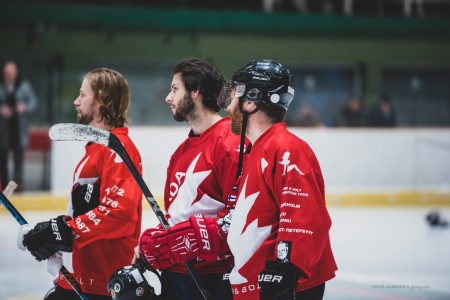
x=112 y=93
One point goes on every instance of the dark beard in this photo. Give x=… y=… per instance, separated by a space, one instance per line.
x=85 y=119
x=185 y=109
x=236 y=120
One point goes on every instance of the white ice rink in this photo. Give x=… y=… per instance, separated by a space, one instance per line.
x=382 y=253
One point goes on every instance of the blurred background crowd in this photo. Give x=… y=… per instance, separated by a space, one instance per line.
x=356 y=63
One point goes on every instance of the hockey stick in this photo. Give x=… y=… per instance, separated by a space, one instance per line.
x=21 y=220
x=9 y=189
x=78 y=132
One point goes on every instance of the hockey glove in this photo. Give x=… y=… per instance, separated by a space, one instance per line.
x=85 y=198
x=24 y=229
x=46 y=238
x=277 y=281
x=196 y=238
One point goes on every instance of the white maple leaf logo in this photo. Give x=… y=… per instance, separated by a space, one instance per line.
x=252 y=237
x=182 y=206
x=81 y=181
x=117 y=158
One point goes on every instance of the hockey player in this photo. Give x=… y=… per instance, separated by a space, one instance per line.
x=279 y=234
x=104 y=222
x=197 y=198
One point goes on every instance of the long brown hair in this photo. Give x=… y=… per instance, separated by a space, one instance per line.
x=112 y=93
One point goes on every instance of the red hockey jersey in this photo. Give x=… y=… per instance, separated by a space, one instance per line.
x=200 y=178
x=105 y=237
x=280 y=214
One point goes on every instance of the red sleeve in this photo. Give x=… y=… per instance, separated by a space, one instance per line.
x=304 y=222
x=117 y=214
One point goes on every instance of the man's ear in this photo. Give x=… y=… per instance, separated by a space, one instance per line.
x=96 y=109
x=248 y=106
x=195 y=94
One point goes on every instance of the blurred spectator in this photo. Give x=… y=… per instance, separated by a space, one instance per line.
x=17 y=100
x=285 y=6
x=305 y=116
x=321 y=6
x=382 y=114
x=301 y=6
x=351 y=114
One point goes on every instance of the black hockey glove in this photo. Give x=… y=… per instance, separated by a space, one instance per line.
x=141 y=262
x=85 y=198
x=277 y=281
x=46 y=238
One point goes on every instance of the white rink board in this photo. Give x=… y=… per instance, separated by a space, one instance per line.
x=356 y=160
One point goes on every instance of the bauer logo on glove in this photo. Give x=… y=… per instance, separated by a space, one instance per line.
x=85 y=197
x=196 y=238
x=278 y=280
x=46 y=238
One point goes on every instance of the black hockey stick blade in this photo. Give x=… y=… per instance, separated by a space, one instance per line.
x=79 y=132
x=64 y=272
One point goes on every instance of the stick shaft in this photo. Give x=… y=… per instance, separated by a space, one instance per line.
x=78 y=132
x=21 y=220
x=14 y=212
x=116 y=145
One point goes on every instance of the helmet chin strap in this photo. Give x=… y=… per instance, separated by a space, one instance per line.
x=242 y=144
x=245 y=115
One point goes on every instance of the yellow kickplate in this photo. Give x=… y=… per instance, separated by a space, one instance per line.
x=36 y=201
x=407 y=198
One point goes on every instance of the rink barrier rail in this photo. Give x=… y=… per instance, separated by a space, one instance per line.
x=38 y=201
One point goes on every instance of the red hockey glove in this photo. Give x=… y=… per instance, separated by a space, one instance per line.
x=197 y=237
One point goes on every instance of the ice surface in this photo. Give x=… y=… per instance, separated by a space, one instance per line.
x=382 y=253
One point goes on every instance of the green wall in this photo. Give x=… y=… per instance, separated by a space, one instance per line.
x=80 y=47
